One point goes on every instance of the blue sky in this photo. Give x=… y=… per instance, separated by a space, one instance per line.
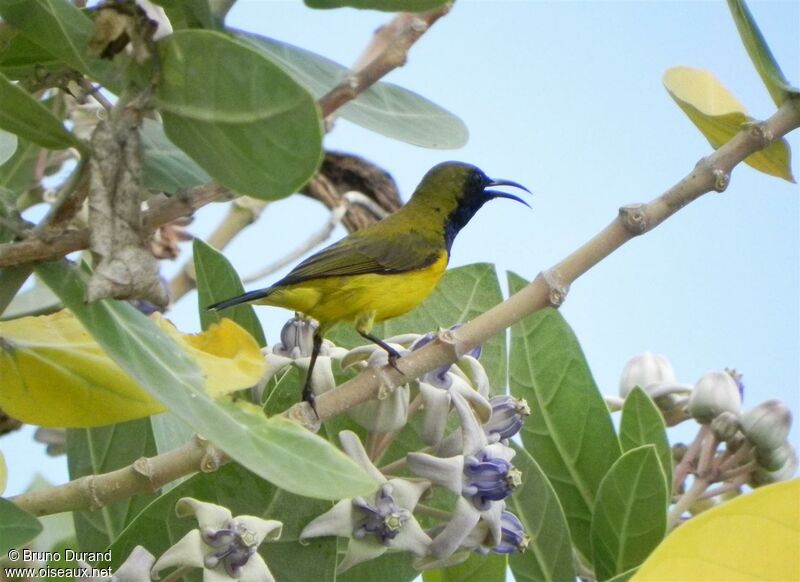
x=566 y=98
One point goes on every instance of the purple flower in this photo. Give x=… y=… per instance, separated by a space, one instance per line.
x=513 y=537
x=385 y=519
x=508 y=416
x=489 y=478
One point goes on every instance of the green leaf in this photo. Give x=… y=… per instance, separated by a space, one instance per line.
x=779 y=88
x=642 y=424
x=16 y=526
x=719 y=116
x=388 y=568
x=243 y=493
x=462 y=294
x=549 y=555
x=38 y=300
x=23 y=115
x=488 y=568
x=62 y=30
x=170 y=432
x=92 y=451
x=569 y=433
x=11 y=279
x=20 y=57
x=17 y=175
x=3 y=473
x=8 y=145
x=276 y=449
x=383 y=108
x=238 y=115
x=166 y=167
x=630 y=514
x=624 y=577
x=384 y=5
x=216 y=281
x=190 y=14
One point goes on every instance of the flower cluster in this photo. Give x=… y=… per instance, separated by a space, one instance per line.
x=756 y=451
x=473 y=463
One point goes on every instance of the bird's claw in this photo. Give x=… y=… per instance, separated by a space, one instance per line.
x=393 y=357
x=310 y=397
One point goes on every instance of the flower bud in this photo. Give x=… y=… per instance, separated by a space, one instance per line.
x=774 y=459
x=714 y=393
x=725 y=425
x=508 y=415
x=767 y=425
x=513 y=537
x=645 y=370
x=678 y=452
x=763 y=476
x=297 y=338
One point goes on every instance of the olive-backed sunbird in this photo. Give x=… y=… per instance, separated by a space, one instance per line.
x=387 y=268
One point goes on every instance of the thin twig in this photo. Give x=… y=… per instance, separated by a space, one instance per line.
x=395 y=40
x=689 y=457
x=734 y=485
x=685 y=501
x=550 y=287
x=94 y=93
x=48 y=248
x=242 y=213
x=313 y=241
x=388 y=438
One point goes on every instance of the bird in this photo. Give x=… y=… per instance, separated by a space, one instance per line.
x=386 y=269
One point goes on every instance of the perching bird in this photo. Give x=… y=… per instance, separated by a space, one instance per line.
x=386 y=269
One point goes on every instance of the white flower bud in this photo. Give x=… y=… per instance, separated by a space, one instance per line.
x=645 y=370
x=725 y=425
x=767 y=425
x=714 y=393
x=774 y=459
x=763 y=476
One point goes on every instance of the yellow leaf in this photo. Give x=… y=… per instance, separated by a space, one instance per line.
x=228 y=356
x=719 y=116
x=3 y=473
x=55 y=374
x=753 y=537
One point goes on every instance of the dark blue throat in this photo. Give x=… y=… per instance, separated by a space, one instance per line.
x=459 y=217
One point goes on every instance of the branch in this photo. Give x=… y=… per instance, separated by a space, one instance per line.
x=45 y=248
x=390 y=48
x=551 y=286
x=313 y=241
x=143 y=476
x=242 y=213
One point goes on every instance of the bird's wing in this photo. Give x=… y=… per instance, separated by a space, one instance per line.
x=357 y=255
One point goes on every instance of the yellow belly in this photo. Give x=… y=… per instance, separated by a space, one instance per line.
x=358 y=298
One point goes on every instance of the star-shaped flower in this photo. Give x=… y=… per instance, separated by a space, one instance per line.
x=482 y=480
x=294 y=349
x=223 y=545
x=377 y=523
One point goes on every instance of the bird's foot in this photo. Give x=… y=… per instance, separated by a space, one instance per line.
x=393 y=357
x=310 y=397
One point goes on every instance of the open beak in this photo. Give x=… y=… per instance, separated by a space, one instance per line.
x=496 y=194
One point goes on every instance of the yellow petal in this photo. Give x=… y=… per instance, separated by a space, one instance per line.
x=55 y=374
x=719 y=116
x=753 y=537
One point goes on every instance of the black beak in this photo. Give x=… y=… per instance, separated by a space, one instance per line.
x=496 y=194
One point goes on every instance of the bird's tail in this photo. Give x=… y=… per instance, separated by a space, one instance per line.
x=244 y=298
